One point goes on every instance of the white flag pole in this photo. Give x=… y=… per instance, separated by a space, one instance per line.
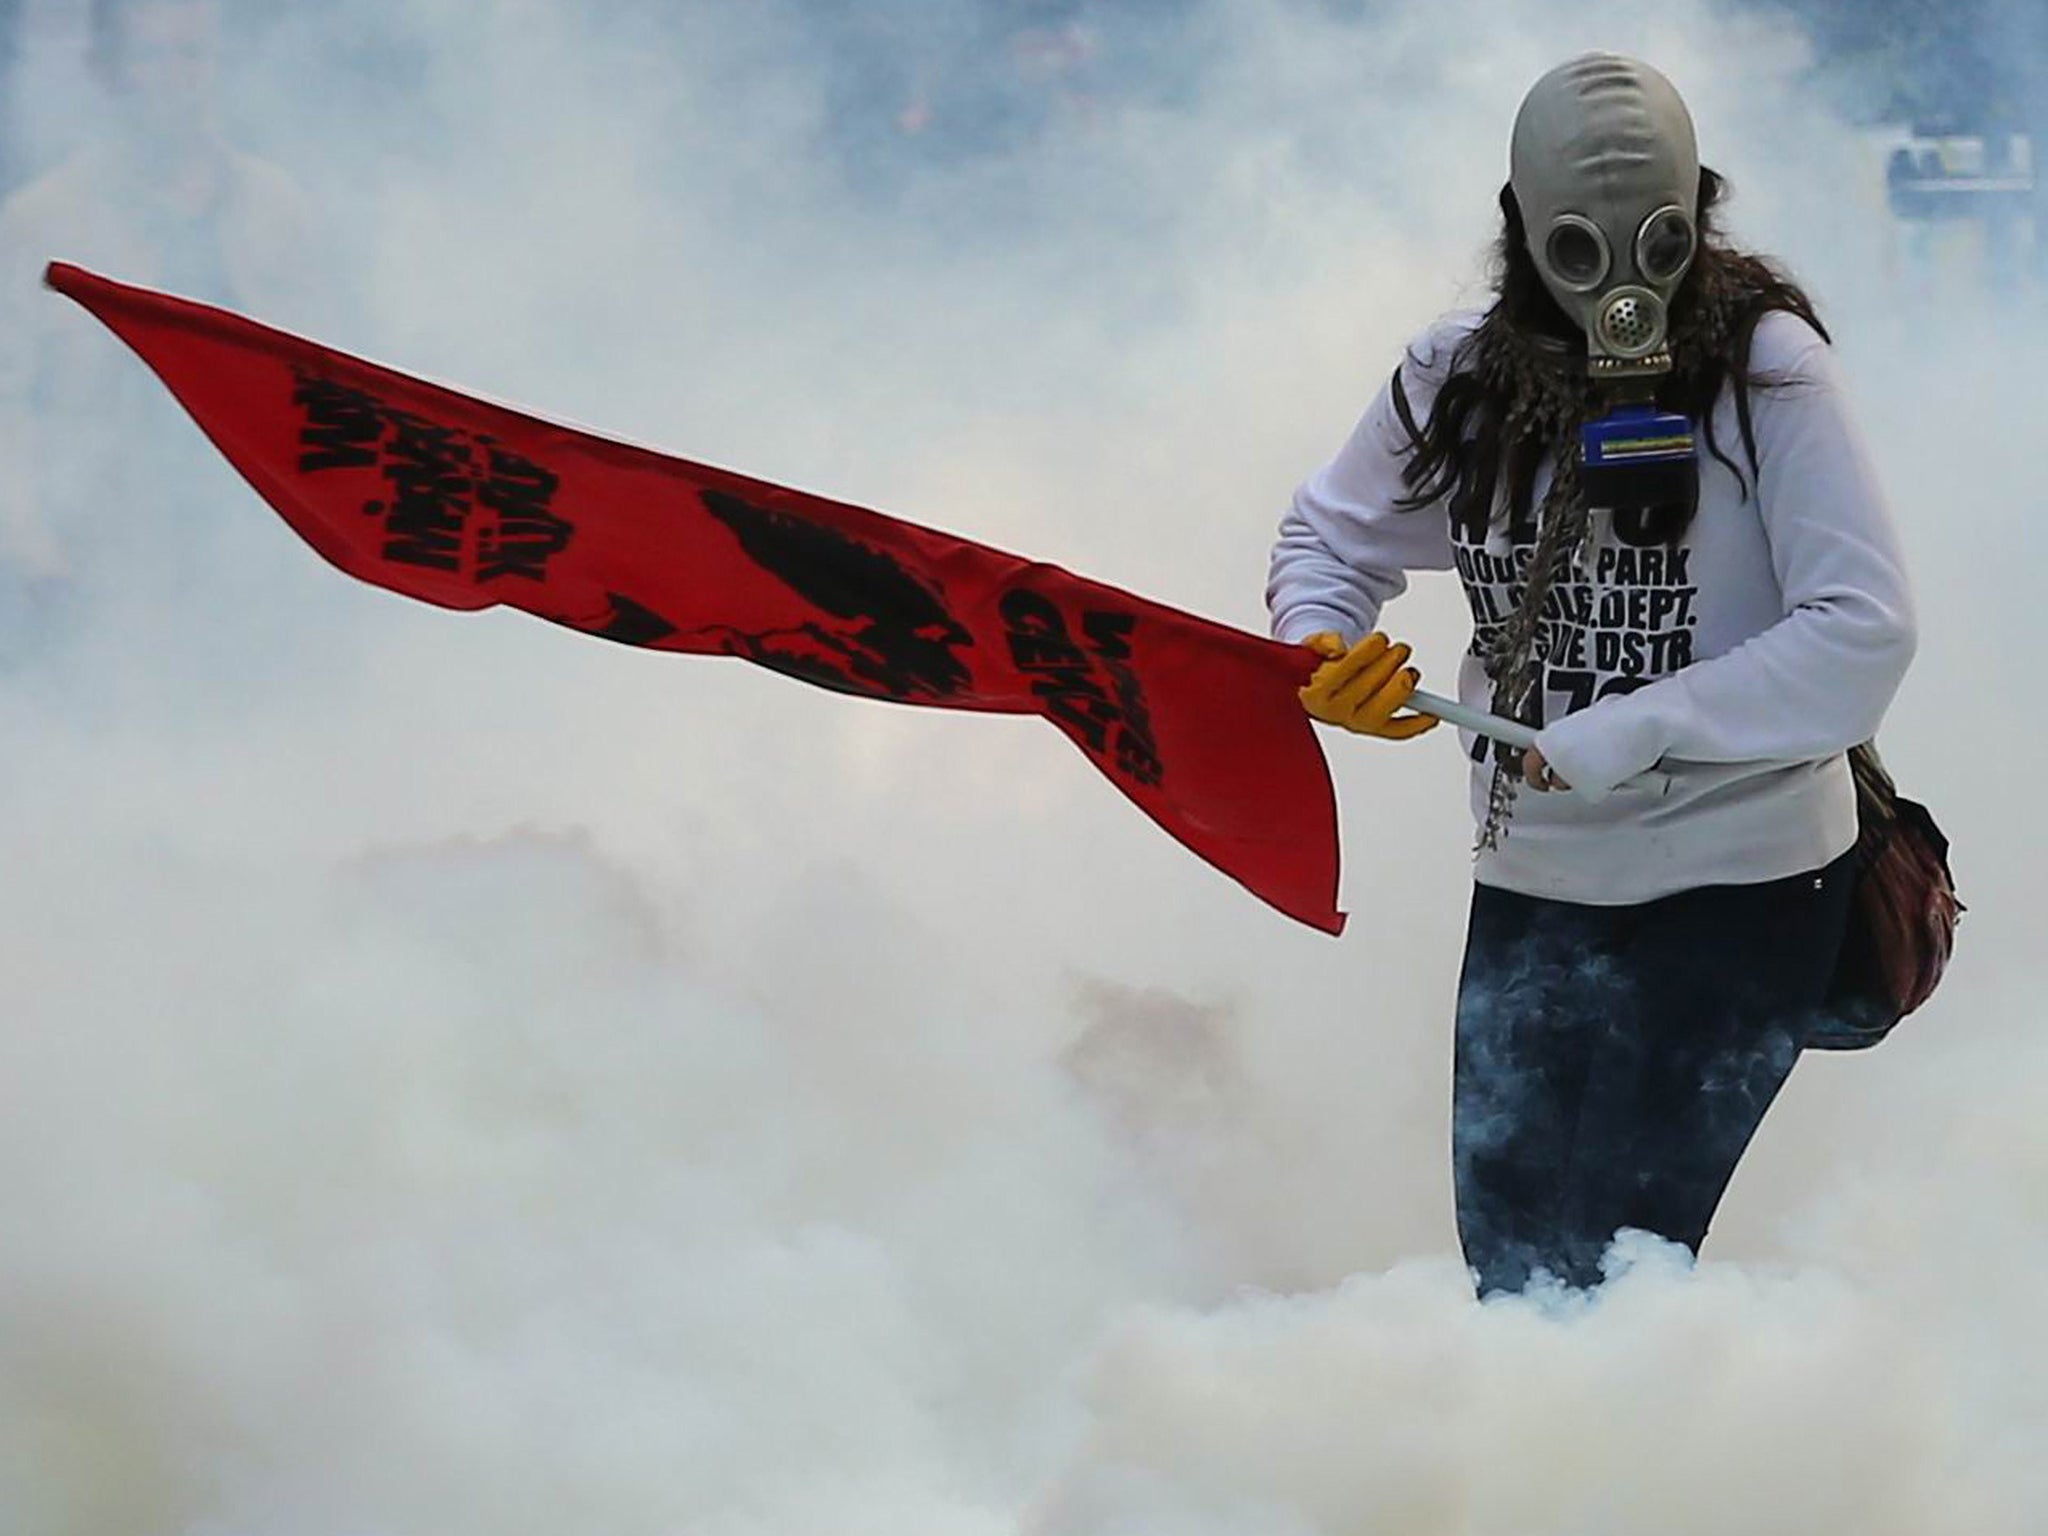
x=1512 y=732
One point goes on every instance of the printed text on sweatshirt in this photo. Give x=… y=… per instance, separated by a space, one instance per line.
x=1742 y=662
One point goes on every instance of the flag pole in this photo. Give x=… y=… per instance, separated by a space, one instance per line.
x=1510 y=732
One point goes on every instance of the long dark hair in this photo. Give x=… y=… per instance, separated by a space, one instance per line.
x=1463 y=453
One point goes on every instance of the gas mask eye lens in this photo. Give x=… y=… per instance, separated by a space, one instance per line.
x=1577 y=253
x=1664 y=247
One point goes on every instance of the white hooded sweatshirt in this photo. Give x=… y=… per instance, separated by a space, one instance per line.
x=1739 y=664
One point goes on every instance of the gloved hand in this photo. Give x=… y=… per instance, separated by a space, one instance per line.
x=1363 y=689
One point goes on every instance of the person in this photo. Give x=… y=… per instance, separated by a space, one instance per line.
x=160 y=196
x=1640 y=461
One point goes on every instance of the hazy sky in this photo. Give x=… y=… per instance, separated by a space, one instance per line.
x=464 y=1079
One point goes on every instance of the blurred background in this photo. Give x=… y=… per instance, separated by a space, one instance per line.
x=456 y=1077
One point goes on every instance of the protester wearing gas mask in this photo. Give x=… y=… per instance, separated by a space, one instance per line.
x=1641 y=463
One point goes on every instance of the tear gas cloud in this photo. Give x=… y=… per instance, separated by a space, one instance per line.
x=465 y=1079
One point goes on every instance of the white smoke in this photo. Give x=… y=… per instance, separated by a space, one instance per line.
x=461 y=1078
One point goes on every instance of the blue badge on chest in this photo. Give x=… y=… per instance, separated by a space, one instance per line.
x=1637 y=457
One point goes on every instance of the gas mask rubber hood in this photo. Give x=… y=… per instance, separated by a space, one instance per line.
x=1605 y=167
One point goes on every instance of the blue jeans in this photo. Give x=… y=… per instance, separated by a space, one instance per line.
x=1614 y=1062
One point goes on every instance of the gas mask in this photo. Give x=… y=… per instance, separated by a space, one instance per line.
x=1605 y=168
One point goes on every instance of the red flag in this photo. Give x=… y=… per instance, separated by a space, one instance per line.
x=444 y=497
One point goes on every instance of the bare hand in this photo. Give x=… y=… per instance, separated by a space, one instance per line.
x=1539 y=775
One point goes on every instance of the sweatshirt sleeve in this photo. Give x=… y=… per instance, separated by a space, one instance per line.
x=1344 y=550
x=1816 y=682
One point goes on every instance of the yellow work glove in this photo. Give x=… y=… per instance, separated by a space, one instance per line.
x=1363 y=689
